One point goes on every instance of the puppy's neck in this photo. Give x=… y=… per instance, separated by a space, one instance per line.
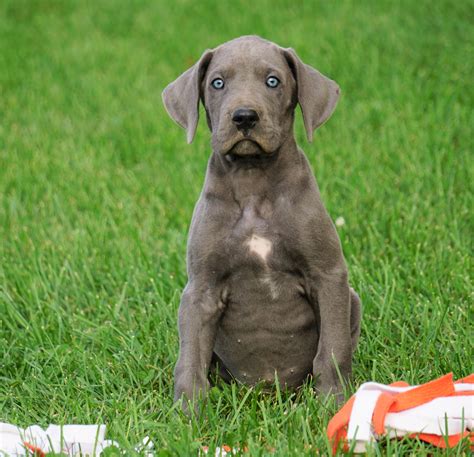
x=245 y=178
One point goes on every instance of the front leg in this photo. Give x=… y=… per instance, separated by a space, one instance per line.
x=333 y=301
x=199 y=314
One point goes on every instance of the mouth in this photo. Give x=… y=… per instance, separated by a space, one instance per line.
x=246 y=147
x=250 y=154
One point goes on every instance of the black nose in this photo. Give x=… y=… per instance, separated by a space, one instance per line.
x=245 y=118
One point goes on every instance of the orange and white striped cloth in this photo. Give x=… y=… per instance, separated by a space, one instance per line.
x=440 y=412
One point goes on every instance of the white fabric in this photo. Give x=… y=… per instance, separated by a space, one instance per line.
x=441 y=416
x=72 y=440
x=220 y=452
x=364 y=404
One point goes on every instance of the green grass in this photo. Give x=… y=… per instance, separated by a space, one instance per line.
x=97 y=188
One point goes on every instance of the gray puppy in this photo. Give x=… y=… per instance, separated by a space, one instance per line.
x=267 y=292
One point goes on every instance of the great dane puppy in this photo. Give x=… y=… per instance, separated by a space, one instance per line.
x=267 y=294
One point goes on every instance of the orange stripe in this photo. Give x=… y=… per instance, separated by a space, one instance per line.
x=35 y=449
x=336 y=430
x=384 y=402
x=341 y=418
x=341 y=436
x=441 y=441
x=382 y=406
x=467 y=380
x=441 y=387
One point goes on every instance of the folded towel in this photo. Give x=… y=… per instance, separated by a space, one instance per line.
x=440 y=412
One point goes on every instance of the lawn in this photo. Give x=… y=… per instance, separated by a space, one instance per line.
x=97 y=188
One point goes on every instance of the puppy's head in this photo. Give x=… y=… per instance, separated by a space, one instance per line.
x=250 y=88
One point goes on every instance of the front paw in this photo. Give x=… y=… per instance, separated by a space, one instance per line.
x=329 y=380
x=326 y=385
x=191 y=391
x=327 y=388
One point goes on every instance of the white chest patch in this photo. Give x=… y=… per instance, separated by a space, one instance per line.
x=260 y=246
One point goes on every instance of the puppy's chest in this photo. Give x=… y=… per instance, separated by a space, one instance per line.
x=261 y=259
x=258 y=240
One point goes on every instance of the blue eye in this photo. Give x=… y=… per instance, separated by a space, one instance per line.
x=217 y=83
x=272 y=82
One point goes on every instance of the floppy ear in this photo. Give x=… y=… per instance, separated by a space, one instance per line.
x=317 y=95
x=181 y=97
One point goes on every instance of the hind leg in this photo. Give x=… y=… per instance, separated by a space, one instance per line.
x=356 y=314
